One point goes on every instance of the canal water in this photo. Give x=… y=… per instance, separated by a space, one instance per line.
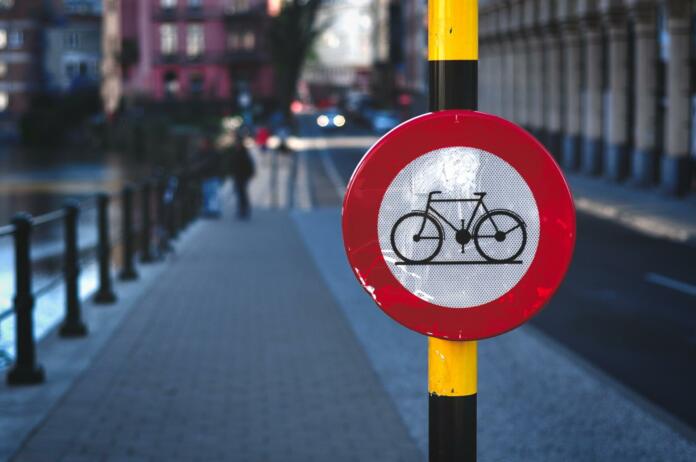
x=40 y=182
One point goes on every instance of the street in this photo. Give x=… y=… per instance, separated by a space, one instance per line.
x=626 y=305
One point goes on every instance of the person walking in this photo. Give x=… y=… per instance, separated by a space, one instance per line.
x=242 y=170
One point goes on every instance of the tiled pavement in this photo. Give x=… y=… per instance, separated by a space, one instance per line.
x=237 y=353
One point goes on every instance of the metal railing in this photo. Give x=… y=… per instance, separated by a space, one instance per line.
x=167 y=205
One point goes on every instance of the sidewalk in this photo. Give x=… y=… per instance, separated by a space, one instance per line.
x=645 y=211
x=237 y=352
x=537 y=401
x=255 y=343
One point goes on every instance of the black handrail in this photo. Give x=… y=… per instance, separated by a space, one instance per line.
x=7 y=230
x=49 y=217
x=178 y=200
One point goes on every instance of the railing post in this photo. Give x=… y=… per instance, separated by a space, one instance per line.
x=146 y=232
x=184 y=202
x=72 y=325
x=105 y=294
x=172 y=225
x=128 y=272
x=25 y=369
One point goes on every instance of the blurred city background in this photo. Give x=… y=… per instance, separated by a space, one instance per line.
x=245 y=336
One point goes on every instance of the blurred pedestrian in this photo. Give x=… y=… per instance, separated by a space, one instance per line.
x=262 y=136
x=242 y=170
x=211 y=172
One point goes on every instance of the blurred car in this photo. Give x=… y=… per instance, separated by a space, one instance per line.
x=331 y=119
x=383 y=121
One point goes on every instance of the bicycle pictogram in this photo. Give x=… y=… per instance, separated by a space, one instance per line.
x=499 y=235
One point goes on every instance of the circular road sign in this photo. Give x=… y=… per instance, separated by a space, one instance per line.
x=459 y=224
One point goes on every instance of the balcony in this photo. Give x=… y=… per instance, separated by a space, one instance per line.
x=185 y=13
x=233 y=13
x=183 y=59
x=246 y=56
x=195 y=13
x=164 y=14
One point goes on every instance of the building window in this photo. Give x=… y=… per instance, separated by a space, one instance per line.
x=6 y=4
x=171 y=84
x=4 y=101
x=249 y=40
x=16 y=39
x=168 y=39
x=233 y=41
x=168 y=3
x=195 y=3
x=241 y=40
x=195 y=40
x=72 y=40
x=3 y=69
x=3 y=39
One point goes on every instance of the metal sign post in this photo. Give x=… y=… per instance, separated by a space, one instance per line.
x=460 y=226
x=452 y=369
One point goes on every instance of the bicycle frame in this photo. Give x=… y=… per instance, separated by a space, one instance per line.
x=429 y=208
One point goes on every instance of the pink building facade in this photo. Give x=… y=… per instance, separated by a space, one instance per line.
x=178 y=49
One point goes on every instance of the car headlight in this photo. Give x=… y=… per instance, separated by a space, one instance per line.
x=339 y=120
x=323 y=120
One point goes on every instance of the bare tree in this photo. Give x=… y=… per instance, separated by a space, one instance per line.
x=292 y=35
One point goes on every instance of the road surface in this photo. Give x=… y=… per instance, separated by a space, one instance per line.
x=627 y=306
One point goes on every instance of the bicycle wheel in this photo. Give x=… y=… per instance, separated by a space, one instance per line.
x=500 y=236
x=417 y=237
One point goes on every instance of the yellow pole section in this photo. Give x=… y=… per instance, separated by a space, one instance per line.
x=452 y=367
x=452 y=30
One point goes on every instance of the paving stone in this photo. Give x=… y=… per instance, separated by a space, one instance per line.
x=238 y=352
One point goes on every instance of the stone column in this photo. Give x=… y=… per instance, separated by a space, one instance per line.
x=521 y=85
x=508 y=77
x=535 y=85
x=553 y=74
x=571 y=102
x=616 y=158
x=493 y=76
x=675 y=163
x=592 y=97
x=644 y=156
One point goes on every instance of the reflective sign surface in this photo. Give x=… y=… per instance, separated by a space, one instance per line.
x=458 y=227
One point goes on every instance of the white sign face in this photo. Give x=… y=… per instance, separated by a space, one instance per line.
x=458 y=227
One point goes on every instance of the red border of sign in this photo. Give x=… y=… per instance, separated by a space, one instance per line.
x=426 y=133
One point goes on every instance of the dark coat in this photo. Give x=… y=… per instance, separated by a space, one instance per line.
x=241 y=163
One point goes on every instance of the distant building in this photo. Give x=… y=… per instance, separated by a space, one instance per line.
x=344 y=51
x=111 y=85
x=415 y=54
x=20 y=55
x=247 y=53
x=179 y=46
x=72 y=53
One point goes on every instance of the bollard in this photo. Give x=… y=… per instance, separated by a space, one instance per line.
x=161 y=217
x=181 y=204
x=25 y=370
x=105 y=294
x=128 y=272
x=72 y=325
x=452 y=365
x=146 y=231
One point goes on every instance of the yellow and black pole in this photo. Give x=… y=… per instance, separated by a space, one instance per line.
x=452 y=369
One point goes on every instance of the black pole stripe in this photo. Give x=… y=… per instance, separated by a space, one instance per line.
x=452 y=427
x=453 y=84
